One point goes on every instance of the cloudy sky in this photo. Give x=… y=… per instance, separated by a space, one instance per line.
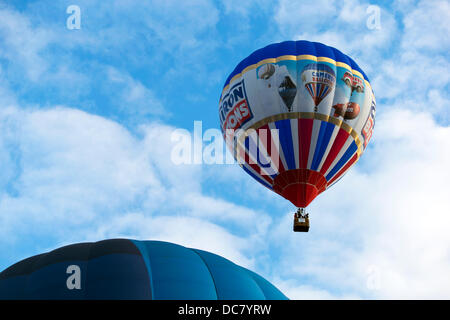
x=87 y=118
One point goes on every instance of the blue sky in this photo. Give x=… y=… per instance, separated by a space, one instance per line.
x=86 y=118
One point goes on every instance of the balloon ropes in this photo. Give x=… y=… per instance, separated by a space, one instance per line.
x=297 y=115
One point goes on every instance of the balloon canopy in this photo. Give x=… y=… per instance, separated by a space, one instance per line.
x=131 y=269
x=296 y=116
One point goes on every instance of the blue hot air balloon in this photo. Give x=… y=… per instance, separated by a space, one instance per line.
x=131 y=269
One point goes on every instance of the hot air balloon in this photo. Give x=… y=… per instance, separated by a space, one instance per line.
x=296 y=116
x=319 y=79
x=132 y=269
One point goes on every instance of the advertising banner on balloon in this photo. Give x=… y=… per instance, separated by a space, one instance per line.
x=305 y=86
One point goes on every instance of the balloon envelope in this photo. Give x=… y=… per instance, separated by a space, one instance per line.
x=131 y=269
x=296 y=116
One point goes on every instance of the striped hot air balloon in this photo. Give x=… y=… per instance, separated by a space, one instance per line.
x=319 y=80
x=296 y=116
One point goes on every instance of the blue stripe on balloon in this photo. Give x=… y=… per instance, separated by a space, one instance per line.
x=247 y=147
x=254 y=176
x=324 y=93
x=252 y=149
x=347 y=155
x=286 y=143
x=325 y=132
x=257 y=155
x=310 y=88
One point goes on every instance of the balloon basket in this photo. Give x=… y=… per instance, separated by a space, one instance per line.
x=301 y=221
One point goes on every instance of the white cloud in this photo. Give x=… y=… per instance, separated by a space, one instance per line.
x=291 y=14
x=43 y=59
x=305 y=292
x=168 y=28
x=22 y=43
x=82 y=177
x=133 y=96
x=343 y=25
x=181 y=229
x=381 y=232
x=426 y=26
x=244 y=8
x=391 y=224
